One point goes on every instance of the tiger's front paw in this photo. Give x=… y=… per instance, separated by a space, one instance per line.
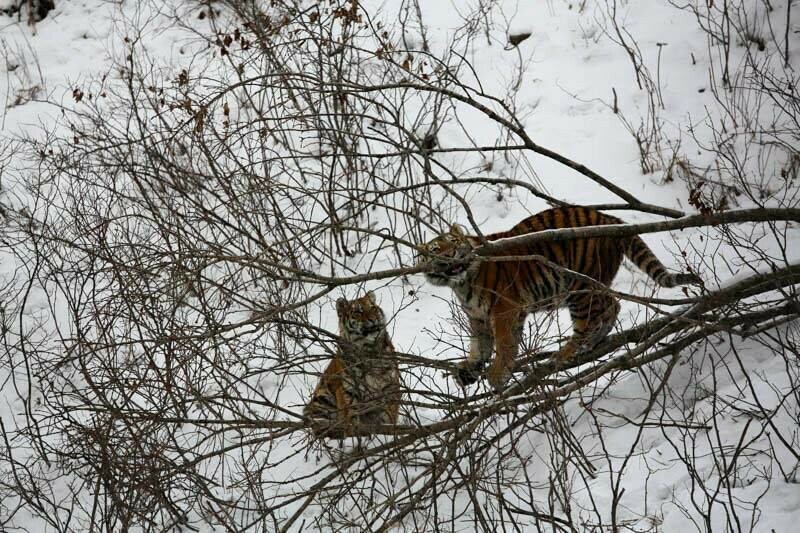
x=327 y=429
x=565 y=354
x=498 y=375
x=468 y=373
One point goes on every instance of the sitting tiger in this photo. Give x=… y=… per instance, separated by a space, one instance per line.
x=361 y=386
x=497 y=296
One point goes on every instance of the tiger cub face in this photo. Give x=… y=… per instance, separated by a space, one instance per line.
x=443 y=253
x=360 y=320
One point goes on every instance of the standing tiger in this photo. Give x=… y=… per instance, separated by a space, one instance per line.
x=361 y=385
x=497 y=295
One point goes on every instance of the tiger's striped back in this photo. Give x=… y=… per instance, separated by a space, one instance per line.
x=361 y=385
x=597 y=257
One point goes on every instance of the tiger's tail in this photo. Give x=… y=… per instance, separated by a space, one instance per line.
x=644 y=258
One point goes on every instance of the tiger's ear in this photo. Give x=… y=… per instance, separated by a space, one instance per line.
x=457 y=230
x=341 y=305
x=371 y=297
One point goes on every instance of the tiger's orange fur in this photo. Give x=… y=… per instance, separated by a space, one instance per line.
x=497 y=296
x=361 y=385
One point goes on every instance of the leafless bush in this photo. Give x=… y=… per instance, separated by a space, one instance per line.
x=185 y=229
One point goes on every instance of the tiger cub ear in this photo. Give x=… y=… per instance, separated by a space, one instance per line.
x=457 y=230
x=371 y=297
x=341 y=306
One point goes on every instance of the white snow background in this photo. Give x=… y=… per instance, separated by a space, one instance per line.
x=571 y=69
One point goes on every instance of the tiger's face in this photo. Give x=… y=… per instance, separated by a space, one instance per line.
x=361 y=318
x=443 y=253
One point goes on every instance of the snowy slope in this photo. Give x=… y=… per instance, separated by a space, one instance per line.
x=564 y=79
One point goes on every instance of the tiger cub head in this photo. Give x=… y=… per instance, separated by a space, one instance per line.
x=443 y=254
x=360 y=319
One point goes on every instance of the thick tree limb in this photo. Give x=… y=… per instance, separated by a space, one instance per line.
x=627 y=230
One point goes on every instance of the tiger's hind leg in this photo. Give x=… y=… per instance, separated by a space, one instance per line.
x=508 y=325
x=329 y=410
x=339 y=423
x=379 y=399
x=593 y=317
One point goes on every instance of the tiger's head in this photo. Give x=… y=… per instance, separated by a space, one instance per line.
x=360 y=319
x=443 y=253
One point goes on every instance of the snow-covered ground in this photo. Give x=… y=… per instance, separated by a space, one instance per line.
x=566 y=80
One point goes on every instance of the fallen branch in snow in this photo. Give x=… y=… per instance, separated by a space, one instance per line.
x=676 y=331
x=680 y=329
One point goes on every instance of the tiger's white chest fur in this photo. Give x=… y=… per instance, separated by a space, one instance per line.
x=369 y=360
x=470 y=295
x=372 y=379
